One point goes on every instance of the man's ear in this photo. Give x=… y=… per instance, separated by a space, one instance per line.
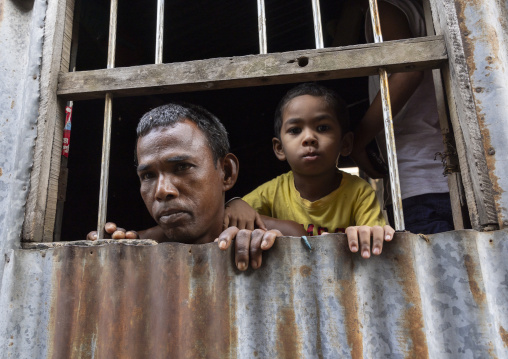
x=230 y=167
x=346 y=146
x=278 y=149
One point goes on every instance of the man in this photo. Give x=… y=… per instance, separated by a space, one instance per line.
x=185 y=168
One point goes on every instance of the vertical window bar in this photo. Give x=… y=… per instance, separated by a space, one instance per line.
x=388 y=126
x=318 y=29
x=106 y=139
x=263 y=47
x=160 y=32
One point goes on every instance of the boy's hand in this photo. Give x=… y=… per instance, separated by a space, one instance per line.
x=248 y=245
x=239 y=214
x=362 y=234
x=114 y=232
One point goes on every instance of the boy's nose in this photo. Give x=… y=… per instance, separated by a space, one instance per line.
x=309 y=139
x=166 y=189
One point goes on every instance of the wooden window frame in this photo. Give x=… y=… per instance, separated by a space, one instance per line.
x=442 y=52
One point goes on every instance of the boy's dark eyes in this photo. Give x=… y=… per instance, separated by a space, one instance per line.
x=323 y=128
x=294 y=130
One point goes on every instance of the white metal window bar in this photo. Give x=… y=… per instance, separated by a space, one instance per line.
x=263 y=47
x=388 y=126
x=108 y=112
x=318 y=28
x=160 y=32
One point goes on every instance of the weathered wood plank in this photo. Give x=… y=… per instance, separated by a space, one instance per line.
x=473 y=164
x=41 y=203
x=255 y=70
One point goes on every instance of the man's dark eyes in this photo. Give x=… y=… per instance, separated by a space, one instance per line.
x=182 y=167
x=146 y=176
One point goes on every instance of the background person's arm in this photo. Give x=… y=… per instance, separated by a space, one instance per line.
x=394 y=26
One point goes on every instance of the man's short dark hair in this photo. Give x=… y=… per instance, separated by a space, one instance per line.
x=173 y=113
x=313 y=89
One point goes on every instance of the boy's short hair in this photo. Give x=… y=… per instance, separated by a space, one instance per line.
x=313 y=89
x=172 y=113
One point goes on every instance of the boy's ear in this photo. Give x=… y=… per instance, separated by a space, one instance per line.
x=347 y=144
x=278 y=149
x=230 y=167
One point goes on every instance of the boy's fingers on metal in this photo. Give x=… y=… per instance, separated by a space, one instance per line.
x=255 y=248
x=352 y=238
x=377 y=240
x=364 y=236
x=242 y=245
x=389 y=232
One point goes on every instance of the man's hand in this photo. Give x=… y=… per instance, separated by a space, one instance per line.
x=248 y=245
x=239 y=214
x=362 y=235
x=114 y=232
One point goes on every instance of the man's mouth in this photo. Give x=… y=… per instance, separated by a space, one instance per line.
x=172 y=216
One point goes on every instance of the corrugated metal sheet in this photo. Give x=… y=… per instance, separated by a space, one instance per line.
x=484 y=28
x=21 y=38
x=438 y=296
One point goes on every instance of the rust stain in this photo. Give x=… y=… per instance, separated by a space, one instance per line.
x=478 y=295
x=1 y=172
x=489 y=36
x=116 y=301
x=413 y=315
x=504 y=336
x=305 y=271
x=347 y=295
x=288 y=345
x=12 y=104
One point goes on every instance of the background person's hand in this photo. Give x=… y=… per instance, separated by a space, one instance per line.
x=358 y=237
x=114 y=232
x=249 y=245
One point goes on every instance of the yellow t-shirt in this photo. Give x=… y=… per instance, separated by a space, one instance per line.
x=352 y=203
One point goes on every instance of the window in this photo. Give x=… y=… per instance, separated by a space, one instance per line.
x=210 y=57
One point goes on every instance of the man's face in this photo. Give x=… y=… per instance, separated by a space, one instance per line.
x=180 y=184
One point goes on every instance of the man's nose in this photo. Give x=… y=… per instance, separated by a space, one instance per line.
x=309 y=138
x=166 y=189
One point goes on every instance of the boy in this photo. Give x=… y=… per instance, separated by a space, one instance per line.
x=312 y=131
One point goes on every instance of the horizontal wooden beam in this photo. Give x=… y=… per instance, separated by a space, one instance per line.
x=255 y=70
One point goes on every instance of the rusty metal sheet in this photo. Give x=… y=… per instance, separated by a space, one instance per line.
x=484 y=29
x=436 y=296
x=21 y=41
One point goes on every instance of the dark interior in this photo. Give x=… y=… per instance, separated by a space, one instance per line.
x=193 y=30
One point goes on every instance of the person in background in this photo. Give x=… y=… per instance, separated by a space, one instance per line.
x=424 y=189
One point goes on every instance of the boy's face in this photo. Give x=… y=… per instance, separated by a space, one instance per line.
x=311 y=138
